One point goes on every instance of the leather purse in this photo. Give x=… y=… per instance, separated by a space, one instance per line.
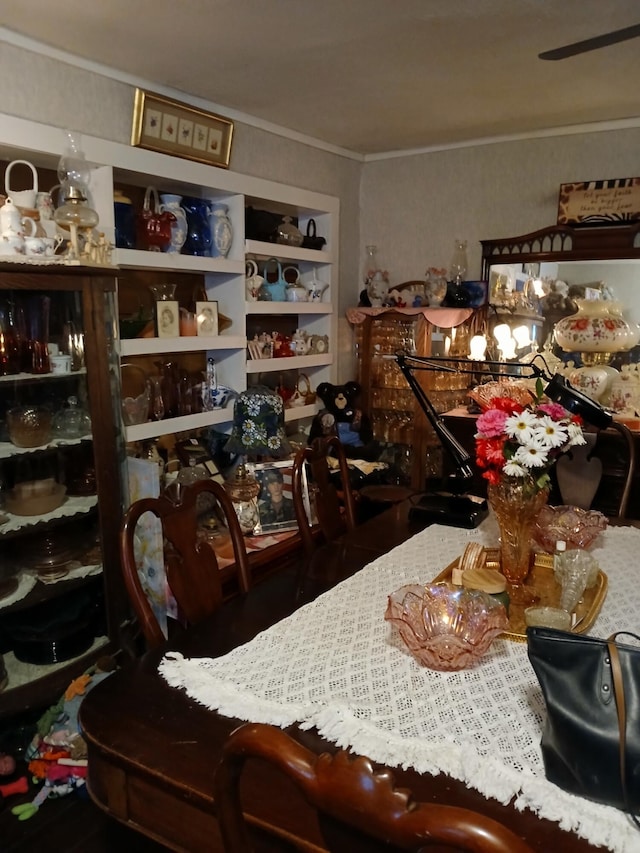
x=591 y=737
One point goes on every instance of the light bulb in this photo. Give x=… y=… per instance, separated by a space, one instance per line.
x=502 y=332
x=521 y=335
x=477 y=348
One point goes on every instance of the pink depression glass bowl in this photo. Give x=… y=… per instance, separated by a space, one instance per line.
x=578 y=527
x=446 y=627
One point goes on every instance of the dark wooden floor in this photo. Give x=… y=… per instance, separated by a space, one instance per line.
x=72 y=824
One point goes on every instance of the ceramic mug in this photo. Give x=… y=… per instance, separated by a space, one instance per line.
x=60 y=363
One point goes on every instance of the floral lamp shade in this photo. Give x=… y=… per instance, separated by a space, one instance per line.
x=258 y=424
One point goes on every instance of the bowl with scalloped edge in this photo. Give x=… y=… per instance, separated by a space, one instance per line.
x=579 y=528
x=446 y=627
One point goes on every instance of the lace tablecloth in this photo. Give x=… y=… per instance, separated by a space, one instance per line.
x=337 y=665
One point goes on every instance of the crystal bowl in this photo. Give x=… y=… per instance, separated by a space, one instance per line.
x=446 y=627
x=579 y=528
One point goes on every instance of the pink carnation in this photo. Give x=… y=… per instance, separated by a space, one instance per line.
x=491 y=423
x=554 y=410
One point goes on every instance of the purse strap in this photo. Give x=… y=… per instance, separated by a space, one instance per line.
x=618 y=692
x=301 y=377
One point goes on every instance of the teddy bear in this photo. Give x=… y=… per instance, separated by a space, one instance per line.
x=342 y=416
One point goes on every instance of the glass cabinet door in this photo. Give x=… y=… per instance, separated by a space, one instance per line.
x=59 y=481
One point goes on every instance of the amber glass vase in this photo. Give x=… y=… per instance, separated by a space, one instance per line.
x=516 y=504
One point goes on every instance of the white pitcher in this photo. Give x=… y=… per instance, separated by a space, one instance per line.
x=253 y=281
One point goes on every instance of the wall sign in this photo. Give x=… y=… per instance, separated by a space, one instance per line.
x=171 y=127
x=611 y=202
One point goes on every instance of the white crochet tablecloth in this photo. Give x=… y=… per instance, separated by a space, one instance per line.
x=337 y=665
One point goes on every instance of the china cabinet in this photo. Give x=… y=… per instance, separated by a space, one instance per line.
x=409 y=445
x=117 y=307
x=62 y=604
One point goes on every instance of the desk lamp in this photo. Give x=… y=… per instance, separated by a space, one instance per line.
x=455 y=507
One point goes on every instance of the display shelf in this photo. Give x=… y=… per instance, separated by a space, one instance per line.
x=289 y=308
x=39 y=377
x=184 y=423
x=154 y=346
x=175 y=262
x=8 y=450
x=298 y=413
x=290 y=253
x=266 y=365
x=73 y=505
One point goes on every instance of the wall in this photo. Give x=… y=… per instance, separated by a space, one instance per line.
x=68 y=97
x=414 y=207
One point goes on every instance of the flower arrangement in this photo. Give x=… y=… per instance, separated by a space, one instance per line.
x=522 y=441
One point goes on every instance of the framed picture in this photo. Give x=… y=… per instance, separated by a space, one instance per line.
x=168 y=319
x=171 y=127
x=275 y=499
x=607 y=202
x=207 y=318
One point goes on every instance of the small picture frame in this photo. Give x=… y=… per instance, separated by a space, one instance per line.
x=207 y=318
x=275 y=499
x=168 y=318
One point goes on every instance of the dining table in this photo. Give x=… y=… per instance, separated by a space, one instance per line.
x=310 y=651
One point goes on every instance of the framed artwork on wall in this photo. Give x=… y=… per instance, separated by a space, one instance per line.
x=171 y=127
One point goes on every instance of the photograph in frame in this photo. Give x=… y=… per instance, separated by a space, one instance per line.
x=207 y=318
x=275 y=499
x=172 y=127
x=168 y=318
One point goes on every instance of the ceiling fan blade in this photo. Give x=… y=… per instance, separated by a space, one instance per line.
x=592 y=43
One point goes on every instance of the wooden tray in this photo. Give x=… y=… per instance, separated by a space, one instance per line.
x=543 y=585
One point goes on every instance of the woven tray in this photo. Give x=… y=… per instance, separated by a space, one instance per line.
x=543 y=585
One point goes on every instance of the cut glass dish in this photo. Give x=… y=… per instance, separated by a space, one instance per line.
x=446 y=627
x=579 y=528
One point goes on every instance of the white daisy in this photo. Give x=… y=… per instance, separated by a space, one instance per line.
x=550 y=432
x=514 y=469
x=531 y=455
x=575 y=435
x=520 y=426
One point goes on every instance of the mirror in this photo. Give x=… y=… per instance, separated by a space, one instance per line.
x=579 y=257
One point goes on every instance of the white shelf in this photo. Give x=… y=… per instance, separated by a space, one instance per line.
x=266 y=365
x=154 y=346
x=153 y=429
x=297 y=413
x=38 y=377
x=173 y=262
x=289 y=253
x=73 y=505
x=289 y=308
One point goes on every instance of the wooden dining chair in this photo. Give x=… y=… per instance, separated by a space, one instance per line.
x=356 y=804
x=191 y=565
x=585 y=475
x=335 y=509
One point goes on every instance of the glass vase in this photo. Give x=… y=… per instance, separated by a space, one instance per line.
x=516 y=504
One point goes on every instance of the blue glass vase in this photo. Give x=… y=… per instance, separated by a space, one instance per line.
x=198 y=240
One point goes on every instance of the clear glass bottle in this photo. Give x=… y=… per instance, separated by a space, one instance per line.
x=209 y=386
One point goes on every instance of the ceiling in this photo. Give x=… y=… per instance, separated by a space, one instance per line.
x=368 y=76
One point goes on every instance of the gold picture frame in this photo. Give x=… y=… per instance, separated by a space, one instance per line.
x=171 y=127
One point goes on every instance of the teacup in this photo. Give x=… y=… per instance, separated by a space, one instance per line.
x=34 y=246
x=51 y=245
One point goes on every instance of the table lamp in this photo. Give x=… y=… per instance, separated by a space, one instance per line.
x=455 y=507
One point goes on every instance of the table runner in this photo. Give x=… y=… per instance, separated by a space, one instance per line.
x=337 y=665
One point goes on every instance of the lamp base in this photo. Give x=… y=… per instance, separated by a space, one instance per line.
x=451 y=510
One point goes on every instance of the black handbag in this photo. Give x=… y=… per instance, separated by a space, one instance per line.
x=591 y=737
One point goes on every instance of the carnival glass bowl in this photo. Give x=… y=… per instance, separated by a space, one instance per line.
x=29 y=426
x=446 y=627
x=579 y=528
